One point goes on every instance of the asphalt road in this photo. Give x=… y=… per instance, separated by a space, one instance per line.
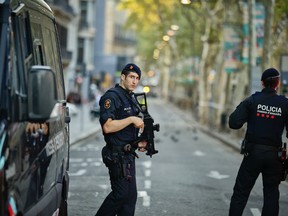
x=193 y=173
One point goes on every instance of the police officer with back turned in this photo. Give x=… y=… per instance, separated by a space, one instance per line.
x=266 y=114
x=121 y=125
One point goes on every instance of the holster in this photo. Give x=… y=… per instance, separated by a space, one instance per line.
x=118 y=163
x=107 y=157
x=245 y=147
x=284 y=160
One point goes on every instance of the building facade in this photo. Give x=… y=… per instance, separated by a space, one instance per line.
x=114 y=44
x=94 y=42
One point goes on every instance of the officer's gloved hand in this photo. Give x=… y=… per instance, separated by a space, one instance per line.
x=142 y=146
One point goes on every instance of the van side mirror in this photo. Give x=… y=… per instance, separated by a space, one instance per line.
x=42 y=95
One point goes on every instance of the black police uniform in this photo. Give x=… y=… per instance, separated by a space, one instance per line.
x=266 y=114
x=117 y=103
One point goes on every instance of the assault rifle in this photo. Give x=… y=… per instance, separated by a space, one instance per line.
x=149 y=126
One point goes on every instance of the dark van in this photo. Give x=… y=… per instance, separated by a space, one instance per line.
x=34 y=120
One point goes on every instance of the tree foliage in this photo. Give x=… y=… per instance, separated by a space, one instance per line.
x=201 y=34
x=151 y=19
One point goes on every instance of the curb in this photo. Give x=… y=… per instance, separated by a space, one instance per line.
x=84 y=136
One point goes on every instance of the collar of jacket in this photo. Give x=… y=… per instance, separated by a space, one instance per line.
x=125 y=91
x=269 y=90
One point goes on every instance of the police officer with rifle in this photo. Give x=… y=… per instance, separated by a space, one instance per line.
x=125 y=131
x=266 y=114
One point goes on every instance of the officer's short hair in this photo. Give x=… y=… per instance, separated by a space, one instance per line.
x=271 y=82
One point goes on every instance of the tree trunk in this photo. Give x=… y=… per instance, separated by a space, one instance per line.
x=269 y=14
x=203 y=94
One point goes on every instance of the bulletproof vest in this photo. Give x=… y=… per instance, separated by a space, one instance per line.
x=266 y=119
x=127 y=108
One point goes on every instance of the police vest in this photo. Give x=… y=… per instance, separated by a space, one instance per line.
x=127 y=108
x=267 y=119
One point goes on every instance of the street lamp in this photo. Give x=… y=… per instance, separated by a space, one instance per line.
x=166 y=38
x=185 y=2
x=174 y=27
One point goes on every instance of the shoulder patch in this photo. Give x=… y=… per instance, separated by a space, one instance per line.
x=107 y=103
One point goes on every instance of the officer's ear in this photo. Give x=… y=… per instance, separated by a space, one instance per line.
x=123 y=77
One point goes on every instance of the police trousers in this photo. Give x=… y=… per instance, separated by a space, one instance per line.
x=122 y=199
x=258 y=161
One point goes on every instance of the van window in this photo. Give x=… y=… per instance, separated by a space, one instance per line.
x=24 y=23
x=37 y=44
x=24 y=50
x=39 y=54
x=46 y=52
x=53 y=59
x=12 y=58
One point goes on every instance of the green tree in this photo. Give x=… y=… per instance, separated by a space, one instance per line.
x=201 y=34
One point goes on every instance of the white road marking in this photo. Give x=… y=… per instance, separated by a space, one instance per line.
x=92 y=159
x=79 y=172
x=82 y=162
x=147 y=173
x=147 y=184
x=199 y=153
x=92 y=146
x=147 y=164
x=216 y=175
x=146 y=198
x=255 y=212
x=76 y=160
x=96 y=164
x=104 y=186
x=86 y=148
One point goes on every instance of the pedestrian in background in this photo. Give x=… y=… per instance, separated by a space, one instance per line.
x=266 y=114
x=121 y=125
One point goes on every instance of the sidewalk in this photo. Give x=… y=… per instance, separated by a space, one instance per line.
x=82 y=126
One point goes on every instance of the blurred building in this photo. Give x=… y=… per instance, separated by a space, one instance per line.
x=94 y=42
x=64 y=14
x=114 y=44
x=81 y=42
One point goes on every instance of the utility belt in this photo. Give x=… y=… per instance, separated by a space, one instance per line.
x=247 y=147
x=118 y=162
x=265 y=147
x=115 y=149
